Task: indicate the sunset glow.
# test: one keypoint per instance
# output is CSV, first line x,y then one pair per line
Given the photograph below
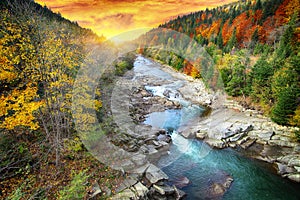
x,y
111,17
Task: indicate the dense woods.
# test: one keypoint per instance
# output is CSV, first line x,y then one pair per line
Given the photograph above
x,y
255,49
41,155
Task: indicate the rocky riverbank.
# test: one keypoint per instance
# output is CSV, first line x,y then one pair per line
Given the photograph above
x,y
251,133
228,125
143,145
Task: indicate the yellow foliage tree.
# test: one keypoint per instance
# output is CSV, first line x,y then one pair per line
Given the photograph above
x,y
18,97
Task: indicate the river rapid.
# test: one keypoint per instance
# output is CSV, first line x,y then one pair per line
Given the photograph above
x,y
194,160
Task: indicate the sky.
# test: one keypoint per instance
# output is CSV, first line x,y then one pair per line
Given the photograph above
x,y
111,18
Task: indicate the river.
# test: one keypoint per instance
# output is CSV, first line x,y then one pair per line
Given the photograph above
x,y
198,162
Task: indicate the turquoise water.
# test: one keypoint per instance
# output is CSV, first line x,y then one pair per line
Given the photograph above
x,y
203,166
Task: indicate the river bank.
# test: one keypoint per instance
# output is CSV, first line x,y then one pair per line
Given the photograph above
x,y
138,94
232,125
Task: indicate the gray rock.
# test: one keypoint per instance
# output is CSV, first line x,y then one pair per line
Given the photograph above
x,y
294,177
285,159
282,143
215,143
284,169
217,189
294,161
139,159
266,135
124,195
127,183
179,193
201,135
247,144
140,190
235,137
164,190
141,170
297,168
154,174
242,140
164,137
95,190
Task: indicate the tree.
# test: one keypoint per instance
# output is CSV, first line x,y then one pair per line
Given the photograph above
x,y
286,105
254,39
18,98
232,42
261,76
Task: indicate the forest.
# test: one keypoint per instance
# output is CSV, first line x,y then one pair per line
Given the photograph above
x,y
254,46
255,49
41,155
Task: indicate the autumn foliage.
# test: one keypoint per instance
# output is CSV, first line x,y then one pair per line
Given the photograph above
x,y
255,49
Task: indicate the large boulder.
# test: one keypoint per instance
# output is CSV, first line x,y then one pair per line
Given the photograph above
x,y
215,143
154,174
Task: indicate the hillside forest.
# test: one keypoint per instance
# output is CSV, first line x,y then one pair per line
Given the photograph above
x,y
254,46
255,49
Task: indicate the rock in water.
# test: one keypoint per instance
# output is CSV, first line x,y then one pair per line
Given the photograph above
x,y
218,188
181,181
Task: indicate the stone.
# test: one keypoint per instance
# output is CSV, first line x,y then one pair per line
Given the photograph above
x,y
95,190
265,158
236,137
228,182
266,135
294,177
282,143
281,137
164,137
297,168
140,190
154,174
217,190
297,148
201,135
215,143
139,159
294,161
162,146
283,169
126,194
159,189
248,144
128,182
151,150
141,170
179,193
232,145
242,140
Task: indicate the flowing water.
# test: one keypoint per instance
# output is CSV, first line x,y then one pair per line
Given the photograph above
x,y
199,163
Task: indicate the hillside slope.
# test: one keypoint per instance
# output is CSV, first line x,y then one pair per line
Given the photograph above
x,y
41,155
255,49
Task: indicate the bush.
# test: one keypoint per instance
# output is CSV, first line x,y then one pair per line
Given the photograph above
x,y
76,189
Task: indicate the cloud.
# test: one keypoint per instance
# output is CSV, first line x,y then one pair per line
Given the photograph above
x,y
111,17
117,21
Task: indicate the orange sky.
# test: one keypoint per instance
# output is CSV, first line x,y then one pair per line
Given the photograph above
x,y
112,17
